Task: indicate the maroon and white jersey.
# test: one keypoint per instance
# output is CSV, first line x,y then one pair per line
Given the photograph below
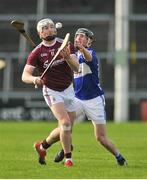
x,y
60,75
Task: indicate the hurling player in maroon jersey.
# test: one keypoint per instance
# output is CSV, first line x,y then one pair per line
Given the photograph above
x,y
57,86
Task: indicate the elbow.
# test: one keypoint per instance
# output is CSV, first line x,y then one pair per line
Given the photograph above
x,y
89,59
23,78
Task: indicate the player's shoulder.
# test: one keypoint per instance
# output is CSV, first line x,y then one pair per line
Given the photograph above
x,y
59,40
37,48
90,49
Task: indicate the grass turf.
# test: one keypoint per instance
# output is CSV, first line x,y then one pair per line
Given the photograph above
x,y
18,160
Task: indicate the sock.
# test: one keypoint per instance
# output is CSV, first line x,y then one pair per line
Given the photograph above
x,y
45,145
68,155
119,157
118,154
71,148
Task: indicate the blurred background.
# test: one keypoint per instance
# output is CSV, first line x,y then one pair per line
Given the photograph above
x,y
19,101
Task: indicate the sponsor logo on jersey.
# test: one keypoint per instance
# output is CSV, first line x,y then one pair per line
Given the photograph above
x,y
43,54
52,51
45,64
55,63
58,61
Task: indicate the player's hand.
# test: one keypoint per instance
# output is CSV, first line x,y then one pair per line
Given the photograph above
x,y
65,53
79,46
38,81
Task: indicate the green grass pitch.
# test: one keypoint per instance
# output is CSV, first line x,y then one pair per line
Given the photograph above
x,y
18,160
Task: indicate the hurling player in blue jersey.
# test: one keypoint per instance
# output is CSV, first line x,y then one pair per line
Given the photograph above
x,y
89,94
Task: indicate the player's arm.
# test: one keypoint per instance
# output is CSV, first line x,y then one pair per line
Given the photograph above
x,y
87,55
28,78
71,59
73,62
28,72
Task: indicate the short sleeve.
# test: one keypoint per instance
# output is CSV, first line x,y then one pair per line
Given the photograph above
x,y
33,58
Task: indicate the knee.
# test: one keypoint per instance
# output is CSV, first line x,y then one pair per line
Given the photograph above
x,y
66,126
100,139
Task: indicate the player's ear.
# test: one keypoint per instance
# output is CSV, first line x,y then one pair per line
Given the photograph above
x,y
89,42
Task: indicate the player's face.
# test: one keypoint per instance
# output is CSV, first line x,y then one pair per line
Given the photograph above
x,y
48,30
81,39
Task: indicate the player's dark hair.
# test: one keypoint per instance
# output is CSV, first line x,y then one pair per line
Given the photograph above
x,y
85,31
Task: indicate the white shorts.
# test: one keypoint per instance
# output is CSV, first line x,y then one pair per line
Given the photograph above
x,y
94,109
67,97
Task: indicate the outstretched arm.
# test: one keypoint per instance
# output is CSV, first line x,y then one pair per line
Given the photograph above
x,y
85,52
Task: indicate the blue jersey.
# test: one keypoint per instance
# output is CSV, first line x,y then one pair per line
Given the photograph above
x,y
86,81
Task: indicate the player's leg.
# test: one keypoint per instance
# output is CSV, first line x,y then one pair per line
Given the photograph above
x,y
60,155
51,97
42,146
100,135
95,111
75,105
62,116
53,137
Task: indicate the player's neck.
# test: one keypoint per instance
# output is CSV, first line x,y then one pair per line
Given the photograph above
x,y
48,43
